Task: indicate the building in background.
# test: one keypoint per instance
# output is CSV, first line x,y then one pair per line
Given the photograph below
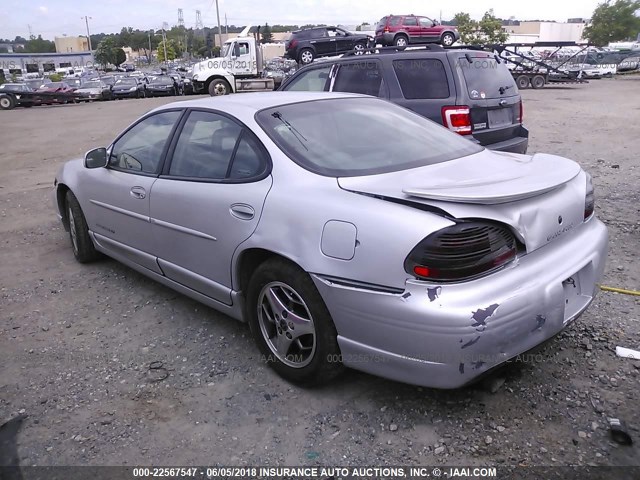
x,y
71,44
528,32
39,63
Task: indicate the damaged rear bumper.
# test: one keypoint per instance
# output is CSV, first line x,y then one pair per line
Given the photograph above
x,y
444,336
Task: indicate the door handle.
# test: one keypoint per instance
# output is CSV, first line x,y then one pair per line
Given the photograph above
x,y
138,192
242,211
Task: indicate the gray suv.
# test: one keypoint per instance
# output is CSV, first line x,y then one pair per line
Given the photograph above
x,y
471,92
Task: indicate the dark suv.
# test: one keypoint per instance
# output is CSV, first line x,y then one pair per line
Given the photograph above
x,y
305,45
401,30
471,92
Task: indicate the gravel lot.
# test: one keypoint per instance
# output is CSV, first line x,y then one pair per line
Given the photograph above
x,y
76,341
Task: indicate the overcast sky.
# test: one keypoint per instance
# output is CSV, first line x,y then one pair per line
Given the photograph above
x,y
52,18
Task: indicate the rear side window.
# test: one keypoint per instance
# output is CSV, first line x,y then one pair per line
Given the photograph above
x,y
410,21
360,77
422,78
395,21
315,80
486,78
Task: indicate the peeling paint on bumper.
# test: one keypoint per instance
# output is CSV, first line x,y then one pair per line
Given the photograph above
x,y
469,328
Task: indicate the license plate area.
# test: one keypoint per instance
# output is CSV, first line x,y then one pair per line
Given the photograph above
x,y
500,117
575,298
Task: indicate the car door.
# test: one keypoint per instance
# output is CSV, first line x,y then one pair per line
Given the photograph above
x,y
117,197
208,200
410,25
429,31
344,41
325,42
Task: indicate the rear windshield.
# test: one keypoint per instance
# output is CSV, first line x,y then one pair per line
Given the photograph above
x,y
359,136
486,78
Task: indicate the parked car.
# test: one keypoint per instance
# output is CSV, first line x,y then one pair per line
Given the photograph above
x,y
467,91
402,30
306,45
13,95
629,64
346,230
94,90
128,87
162,85
56,92
36,83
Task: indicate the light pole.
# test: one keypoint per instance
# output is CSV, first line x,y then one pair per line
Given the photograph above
x,y
149,57
219,27
164,43
86,21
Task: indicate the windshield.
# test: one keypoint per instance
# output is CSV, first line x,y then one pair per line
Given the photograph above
x,y
487,78
163,80
359,136
126,81
225,49
55,85
92,85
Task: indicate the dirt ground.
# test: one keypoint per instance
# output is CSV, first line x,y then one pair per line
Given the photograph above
x,y
76,341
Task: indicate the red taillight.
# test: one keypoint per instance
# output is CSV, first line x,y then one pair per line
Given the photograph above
x,y
386,29
521,113
421,271
293,43
457,119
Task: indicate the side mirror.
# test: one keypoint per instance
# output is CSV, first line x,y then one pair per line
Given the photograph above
x,y
96,158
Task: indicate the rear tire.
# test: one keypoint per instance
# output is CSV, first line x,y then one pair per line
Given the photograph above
x,y
291,324
523,82
7,102
538,81
81,242
401,41
306,56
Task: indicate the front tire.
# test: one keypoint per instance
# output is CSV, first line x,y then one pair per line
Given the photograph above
x,y
292,325
81,243
219,87
448,39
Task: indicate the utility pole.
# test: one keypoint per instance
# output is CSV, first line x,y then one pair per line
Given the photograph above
x,y
164,43
226,25
149,58
219,27
86,21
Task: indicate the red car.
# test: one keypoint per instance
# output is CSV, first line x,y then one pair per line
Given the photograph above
x,y
58,92
402,30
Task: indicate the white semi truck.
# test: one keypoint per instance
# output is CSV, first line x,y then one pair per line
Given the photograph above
x,y
238,69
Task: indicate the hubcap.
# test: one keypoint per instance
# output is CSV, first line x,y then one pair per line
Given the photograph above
x,y
307,57
72,231
359,49
4,102
401,42
286,324
447,40
220,89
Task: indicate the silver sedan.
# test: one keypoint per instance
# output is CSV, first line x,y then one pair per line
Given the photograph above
x,y
347,231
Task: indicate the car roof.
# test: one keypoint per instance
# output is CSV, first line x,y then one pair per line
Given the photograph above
x,y
256,101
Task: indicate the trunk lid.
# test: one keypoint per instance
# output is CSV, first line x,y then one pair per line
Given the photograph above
x,y
540,196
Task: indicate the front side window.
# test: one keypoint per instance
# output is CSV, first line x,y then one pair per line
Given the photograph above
x,y
426,22
359,136
140,149
315,80
214,147
360,77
